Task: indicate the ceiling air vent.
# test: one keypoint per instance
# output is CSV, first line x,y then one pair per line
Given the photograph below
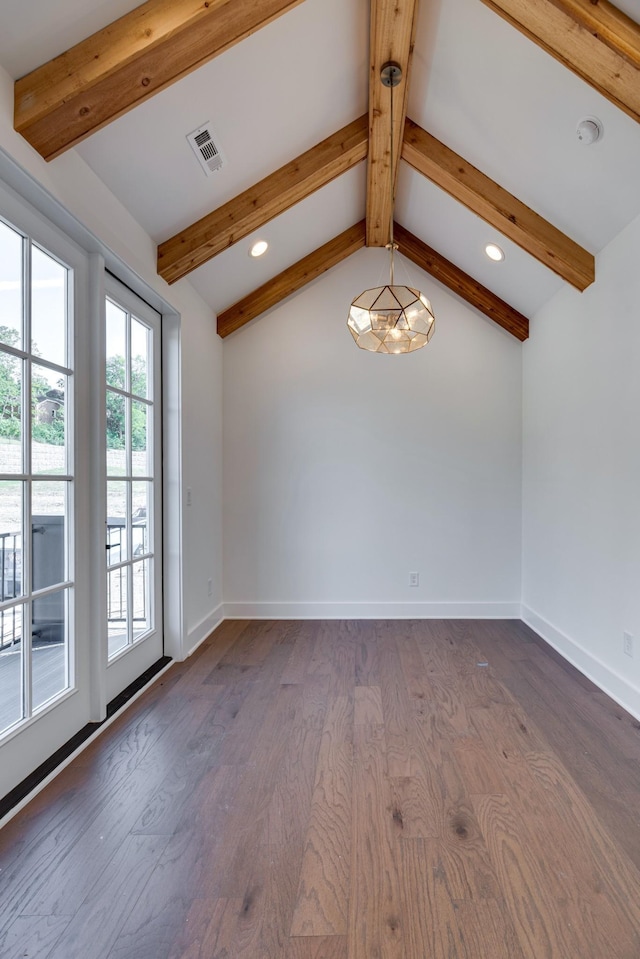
x,y
206,149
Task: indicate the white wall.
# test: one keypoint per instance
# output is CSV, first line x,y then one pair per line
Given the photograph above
x,y
344,470
202,473
71,181
581,491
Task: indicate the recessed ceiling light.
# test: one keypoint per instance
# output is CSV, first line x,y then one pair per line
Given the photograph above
x,y
259,248
494,252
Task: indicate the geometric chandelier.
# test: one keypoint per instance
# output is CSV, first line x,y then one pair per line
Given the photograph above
x,y
391,319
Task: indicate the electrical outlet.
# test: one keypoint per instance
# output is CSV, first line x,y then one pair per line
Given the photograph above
x,y
209,587
414,579
188,496
627,644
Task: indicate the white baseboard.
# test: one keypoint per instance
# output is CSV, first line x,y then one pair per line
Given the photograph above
x,y
605,678
204,628
372,610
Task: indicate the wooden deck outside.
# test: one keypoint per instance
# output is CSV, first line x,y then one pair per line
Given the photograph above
x,y
341,790
49,678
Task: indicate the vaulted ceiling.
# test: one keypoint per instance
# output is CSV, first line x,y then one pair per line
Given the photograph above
x,y
486,113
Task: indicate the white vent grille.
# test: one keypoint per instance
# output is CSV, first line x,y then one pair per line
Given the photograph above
x,y
208,152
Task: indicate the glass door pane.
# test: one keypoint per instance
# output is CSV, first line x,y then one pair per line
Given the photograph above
x,y
11,287
36,478
11,630
118,606
133,489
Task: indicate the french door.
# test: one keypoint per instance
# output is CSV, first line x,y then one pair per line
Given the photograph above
x,y
44,579
133,489
36,491
80,488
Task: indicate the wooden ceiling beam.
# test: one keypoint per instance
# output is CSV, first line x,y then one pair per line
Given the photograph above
x,y
291,280
295,277
392,36
591,37
461,283
120,66
247,212
608,24
497,206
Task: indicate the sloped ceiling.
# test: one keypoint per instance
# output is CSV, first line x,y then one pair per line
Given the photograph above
x,y
476,83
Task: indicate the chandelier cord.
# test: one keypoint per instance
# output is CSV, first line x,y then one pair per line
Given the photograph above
x,y
391,183
391,319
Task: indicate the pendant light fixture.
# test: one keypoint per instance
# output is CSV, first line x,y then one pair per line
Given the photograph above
x,y
391,319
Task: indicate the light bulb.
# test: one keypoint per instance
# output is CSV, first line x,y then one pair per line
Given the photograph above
x,y
259,247
494,252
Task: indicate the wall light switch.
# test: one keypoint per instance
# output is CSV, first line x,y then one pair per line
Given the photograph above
x,y
188,496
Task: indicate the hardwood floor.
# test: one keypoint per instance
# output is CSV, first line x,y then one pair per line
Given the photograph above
x,y
341,790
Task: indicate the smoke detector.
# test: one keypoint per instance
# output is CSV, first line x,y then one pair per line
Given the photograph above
x,y
206,149
589,130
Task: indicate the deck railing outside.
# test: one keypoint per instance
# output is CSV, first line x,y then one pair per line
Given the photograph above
x,y
10,587
11,579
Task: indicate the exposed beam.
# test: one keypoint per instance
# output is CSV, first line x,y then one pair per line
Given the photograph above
x,y
461,283
250,210
292,279
608,24
591,37
392,36
341,247
146,50
497,206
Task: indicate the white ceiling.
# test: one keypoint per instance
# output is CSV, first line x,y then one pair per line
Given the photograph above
x,y
269,99
476,83
234,273
509,108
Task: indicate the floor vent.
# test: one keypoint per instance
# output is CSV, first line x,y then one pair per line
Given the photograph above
x,y
208,152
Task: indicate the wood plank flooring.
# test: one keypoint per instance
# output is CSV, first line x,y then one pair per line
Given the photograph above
x,y
341,790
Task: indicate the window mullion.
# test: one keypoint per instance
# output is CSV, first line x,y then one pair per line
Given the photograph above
x,y
129,534
26,373
27,539
129,469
